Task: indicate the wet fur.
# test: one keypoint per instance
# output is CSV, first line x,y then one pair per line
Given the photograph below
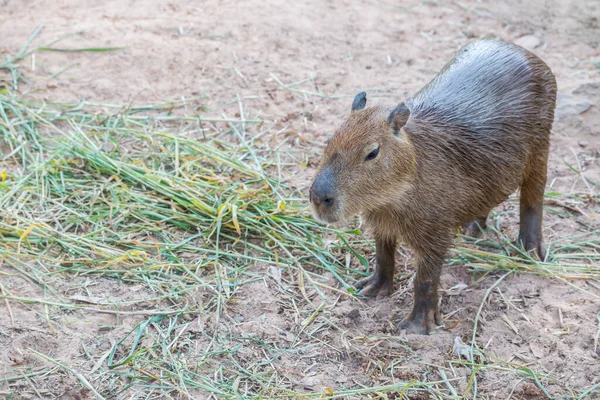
x,y
475,134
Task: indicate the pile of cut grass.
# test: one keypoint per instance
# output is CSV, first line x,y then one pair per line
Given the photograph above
x,y
117,193
149,195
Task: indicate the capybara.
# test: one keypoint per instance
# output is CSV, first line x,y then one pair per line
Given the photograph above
x,y
475,134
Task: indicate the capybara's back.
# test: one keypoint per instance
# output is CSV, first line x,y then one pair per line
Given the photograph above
x,y
488,115
488,87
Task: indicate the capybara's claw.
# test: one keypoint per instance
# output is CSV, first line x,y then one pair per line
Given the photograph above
x,y
421,322
373,286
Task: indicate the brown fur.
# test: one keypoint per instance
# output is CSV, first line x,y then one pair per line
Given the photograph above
x,y
475,134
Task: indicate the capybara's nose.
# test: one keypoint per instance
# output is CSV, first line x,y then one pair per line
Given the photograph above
x,y
318,197
321,192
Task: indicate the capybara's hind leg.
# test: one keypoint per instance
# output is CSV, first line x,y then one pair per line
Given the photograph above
x,y
531,207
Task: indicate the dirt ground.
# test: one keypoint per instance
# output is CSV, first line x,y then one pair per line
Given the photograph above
x,y
238,56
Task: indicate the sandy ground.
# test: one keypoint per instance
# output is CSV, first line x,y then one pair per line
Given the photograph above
x,y
234,55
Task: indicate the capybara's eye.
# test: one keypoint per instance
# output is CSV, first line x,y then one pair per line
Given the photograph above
x,y
372,154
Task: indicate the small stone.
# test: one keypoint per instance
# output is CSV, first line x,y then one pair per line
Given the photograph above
x,y
52,84
239,319
287,336
529,42
17,360
353,314
582,143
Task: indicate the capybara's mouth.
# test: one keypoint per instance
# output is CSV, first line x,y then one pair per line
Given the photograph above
x,y
324,216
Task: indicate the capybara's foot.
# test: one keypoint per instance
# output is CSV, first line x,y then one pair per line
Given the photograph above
x,y
474,228
374,286
530,225
533,245
422,321
471,229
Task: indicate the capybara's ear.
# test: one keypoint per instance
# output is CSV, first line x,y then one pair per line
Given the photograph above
x,y
398,117
360,101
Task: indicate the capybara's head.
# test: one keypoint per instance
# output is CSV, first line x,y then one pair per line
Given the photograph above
x,y
368,163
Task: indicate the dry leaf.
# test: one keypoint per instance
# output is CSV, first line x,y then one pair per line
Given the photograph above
x,y
456,289
536,349
276,274
461,349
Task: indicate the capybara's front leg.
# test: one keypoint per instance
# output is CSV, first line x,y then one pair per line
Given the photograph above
x,y
425,314
381,282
